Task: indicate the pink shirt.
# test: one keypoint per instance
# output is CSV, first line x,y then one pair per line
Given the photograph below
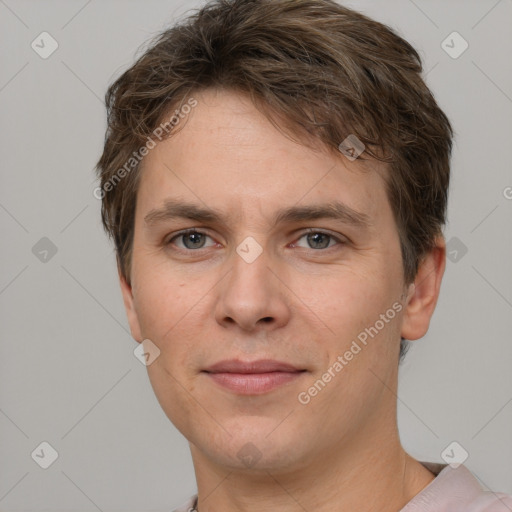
x,y
453,490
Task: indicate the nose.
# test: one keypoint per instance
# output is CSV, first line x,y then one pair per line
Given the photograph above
x,y
253,295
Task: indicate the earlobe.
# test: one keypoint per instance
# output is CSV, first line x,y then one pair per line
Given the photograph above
x,y
129,305
424,292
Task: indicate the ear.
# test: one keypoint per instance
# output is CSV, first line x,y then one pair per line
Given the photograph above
x,y
129,306
423,293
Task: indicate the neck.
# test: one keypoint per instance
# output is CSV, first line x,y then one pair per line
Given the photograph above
x,y
371,473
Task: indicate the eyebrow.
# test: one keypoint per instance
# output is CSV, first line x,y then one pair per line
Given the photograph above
x,y
333,210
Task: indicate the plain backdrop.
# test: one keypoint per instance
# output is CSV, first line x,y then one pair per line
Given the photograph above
x,y
68,375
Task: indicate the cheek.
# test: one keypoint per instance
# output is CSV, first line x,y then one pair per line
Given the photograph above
x,y
172,312
352,305
160,303
352,296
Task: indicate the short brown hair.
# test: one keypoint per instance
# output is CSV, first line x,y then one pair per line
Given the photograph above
x,y
315,68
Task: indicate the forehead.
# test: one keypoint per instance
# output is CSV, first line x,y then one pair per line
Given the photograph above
x,y
228,155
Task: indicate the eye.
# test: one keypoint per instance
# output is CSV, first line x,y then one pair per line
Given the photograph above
x,y
193,239
319,240
190,239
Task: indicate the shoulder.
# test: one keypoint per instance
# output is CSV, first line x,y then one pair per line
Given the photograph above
x,y
457,490
188,506
489,501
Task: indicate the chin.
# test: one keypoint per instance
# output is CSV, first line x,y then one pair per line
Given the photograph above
x,y
254,449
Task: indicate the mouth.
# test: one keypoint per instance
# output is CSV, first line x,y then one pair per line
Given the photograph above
x,y
252,378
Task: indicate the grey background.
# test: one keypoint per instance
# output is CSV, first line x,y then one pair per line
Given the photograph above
x,y
68,375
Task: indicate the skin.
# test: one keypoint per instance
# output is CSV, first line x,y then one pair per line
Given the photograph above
x,y
295,303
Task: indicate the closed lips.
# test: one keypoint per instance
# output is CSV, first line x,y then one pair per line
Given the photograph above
x,y
252,377
260,366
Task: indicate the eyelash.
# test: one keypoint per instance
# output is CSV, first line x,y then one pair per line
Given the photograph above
x,y
308,232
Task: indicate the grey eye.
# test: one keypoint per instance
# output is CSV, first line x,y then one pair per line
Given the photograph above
x,y
317,240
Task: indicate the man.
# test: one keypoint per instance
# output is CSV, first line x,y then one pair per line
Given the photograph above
x,y
275,178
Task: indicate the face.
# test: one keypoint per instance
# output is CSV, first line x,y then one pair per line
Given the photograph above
x,y
278,313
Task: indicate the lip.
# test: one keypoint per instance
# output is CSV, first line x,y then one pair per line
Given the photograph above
x,y
259,366
253,377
